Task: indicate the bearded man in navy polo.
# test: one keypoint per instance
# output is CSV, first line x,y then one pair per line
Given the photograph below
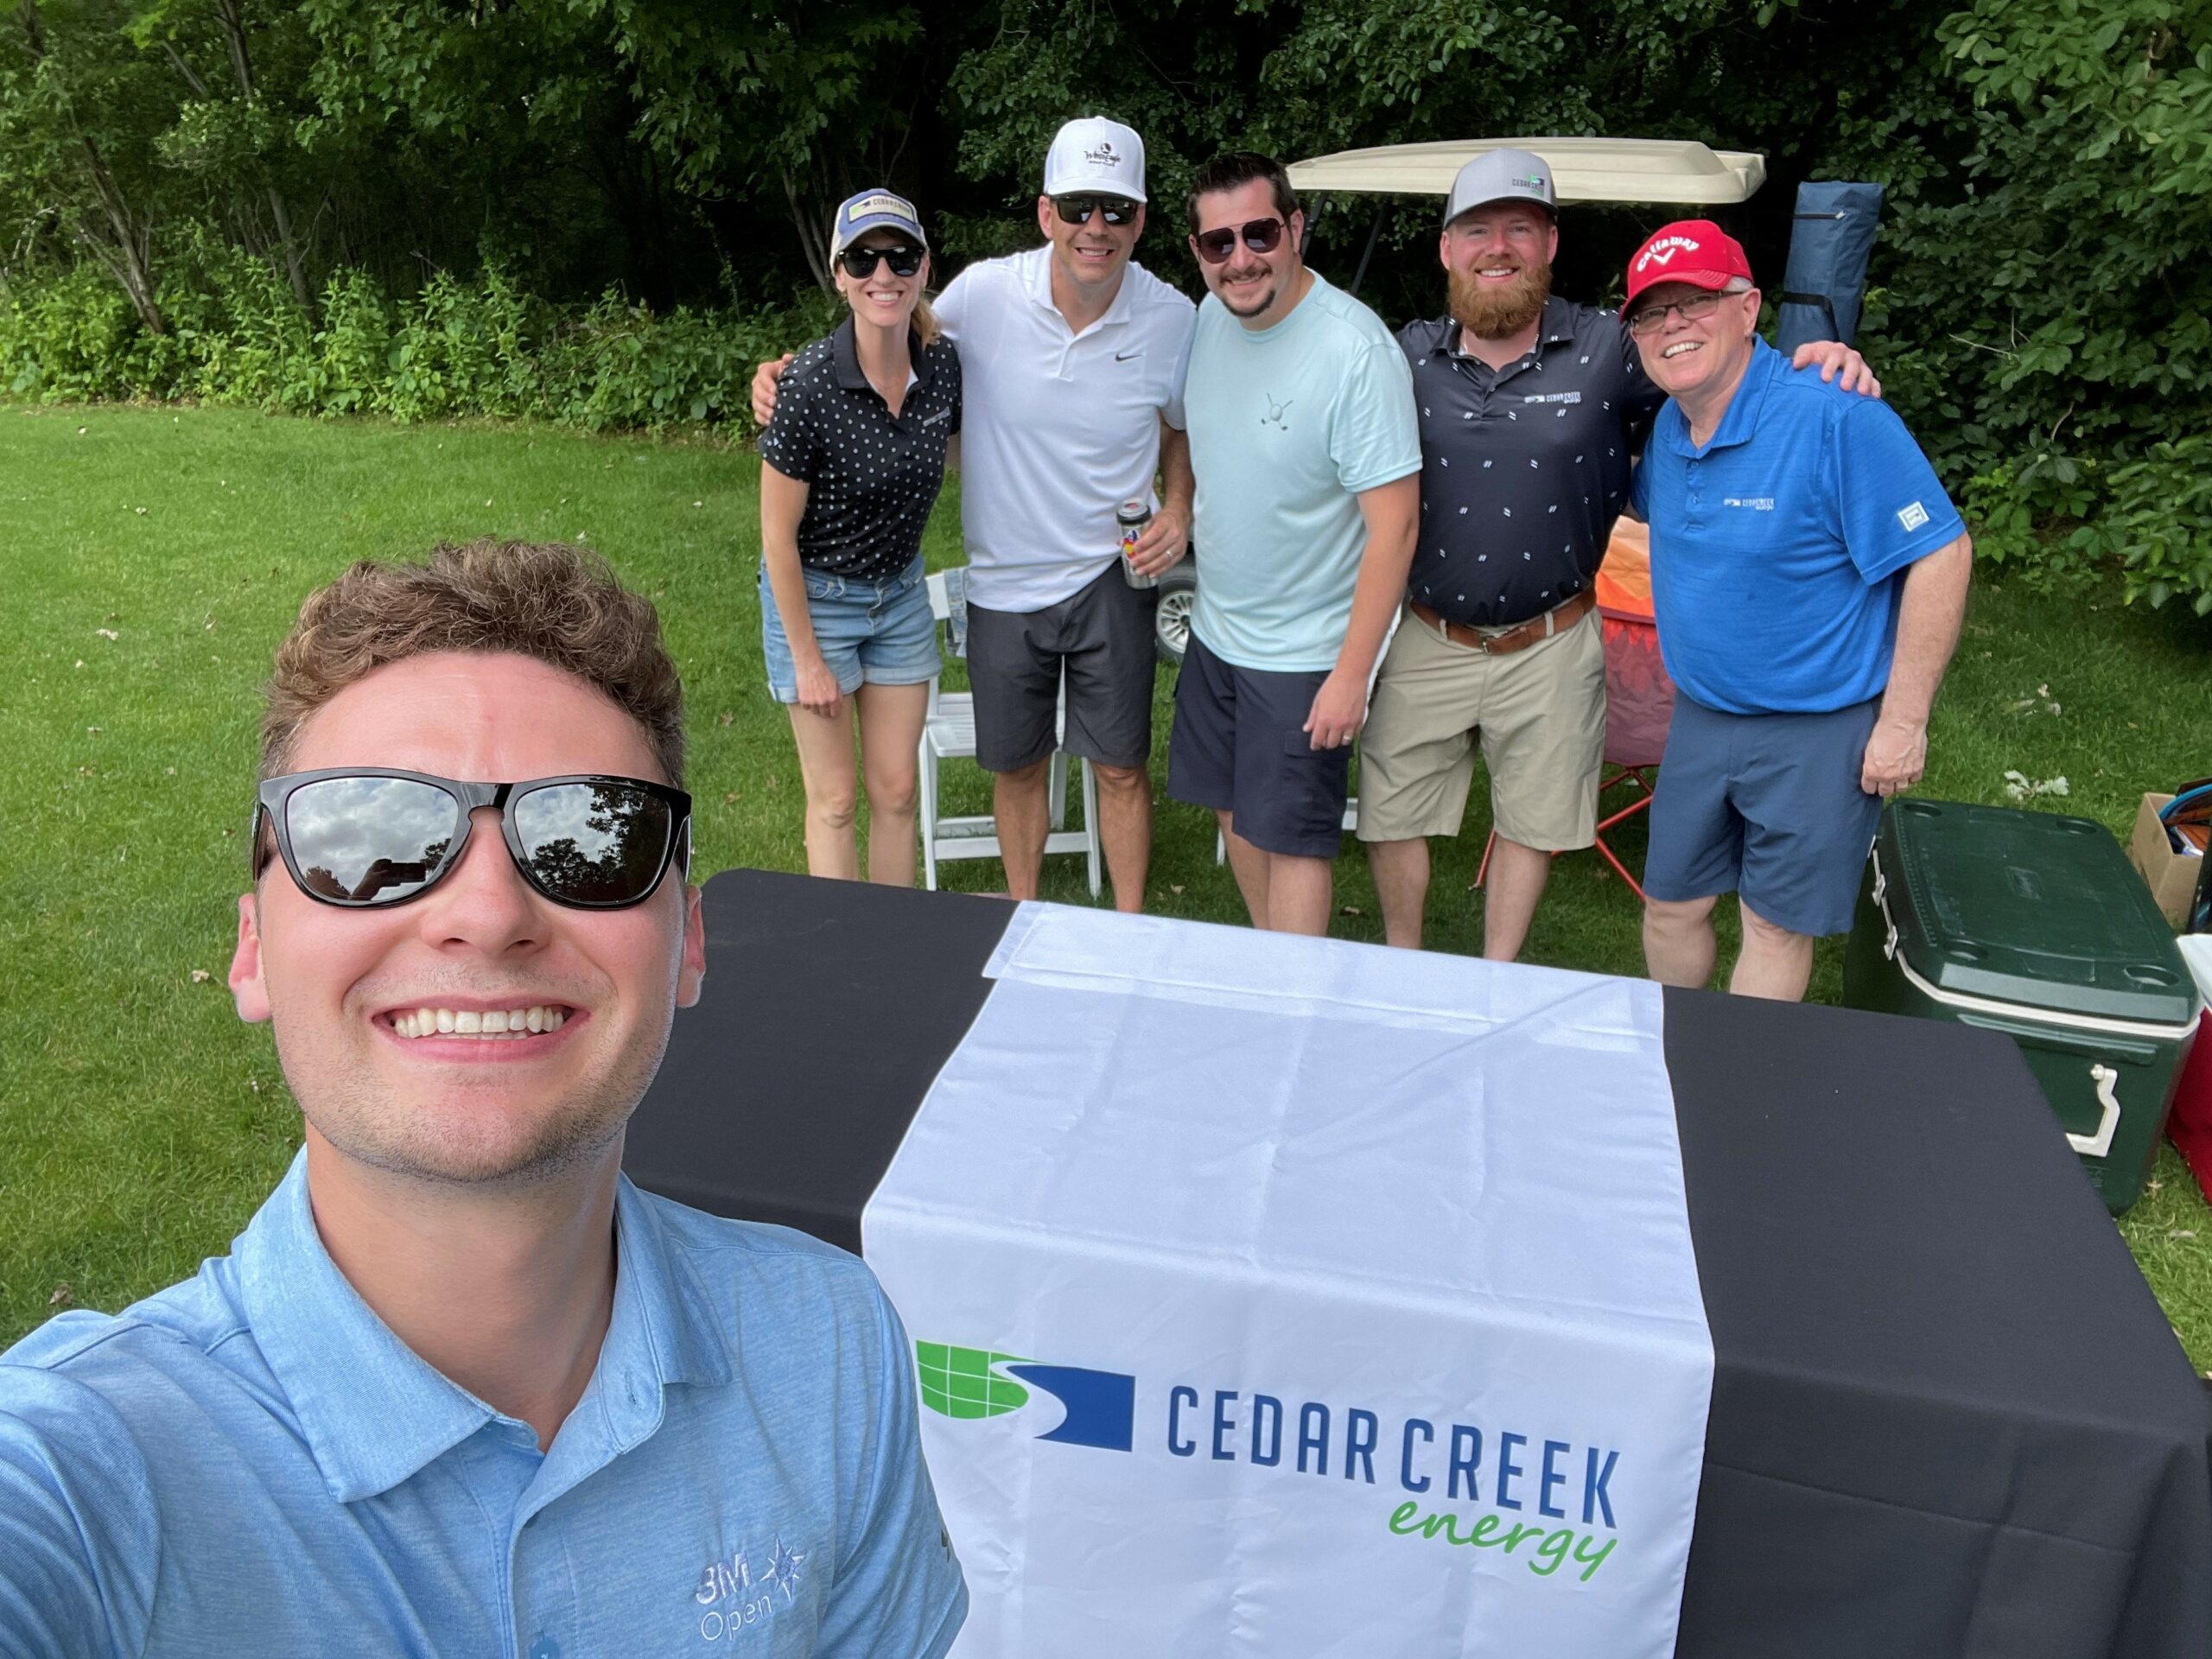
x,y
1809,577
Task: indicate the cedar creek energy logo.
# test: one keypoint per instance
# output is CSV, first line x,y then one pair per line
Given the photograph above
x,y
1102,1406
1517,1488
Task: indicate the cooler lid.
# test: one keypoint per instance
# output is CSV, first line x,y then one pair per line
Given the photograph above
x,y
2031,908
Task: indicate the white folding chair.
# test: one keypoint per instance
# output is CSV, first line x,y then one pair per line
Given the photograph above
x,y
948,733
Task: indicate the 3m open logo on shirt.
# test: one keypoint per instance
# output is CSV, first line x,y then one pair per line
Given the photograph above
x,y
1912,518
735,1593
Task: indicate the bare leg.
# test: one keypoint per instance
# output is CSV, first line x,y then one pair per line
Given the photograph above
x,y
825,766
891,735
1298,894
1125,830
1774,961
1018,803
1251,866
1516,881
1678,947
1401,872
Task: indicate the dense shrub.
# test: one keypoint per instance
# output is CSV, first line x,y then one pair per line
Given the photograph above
x,y
480,347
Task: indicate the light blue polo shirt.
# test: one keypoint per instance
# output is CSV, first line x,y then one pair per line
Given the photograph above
x,y
251,1463
1288,425
1778,550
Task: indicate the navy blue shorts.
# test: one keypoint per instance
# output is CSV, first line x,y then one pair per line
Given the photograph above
x,y
1767,806
1240,746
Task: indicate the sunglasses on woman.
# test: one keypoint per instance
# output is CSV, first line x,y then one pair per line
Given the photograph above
x,y
1261,235
904,258
1077,210
361,836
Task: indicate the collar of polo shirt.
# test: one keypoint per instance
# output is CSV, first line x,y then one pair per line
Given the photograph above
x,y
374,1412
845,354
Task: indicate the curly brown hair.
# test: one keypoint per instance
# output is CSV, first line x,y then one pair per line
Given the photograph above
x,y
557,604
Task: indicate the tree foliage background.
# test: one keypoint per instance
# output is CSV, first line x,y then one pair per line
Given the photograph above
x,y
603,211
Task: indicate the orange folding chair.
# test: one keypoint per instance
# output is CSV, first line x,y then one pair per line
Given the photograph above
x,y
1639,698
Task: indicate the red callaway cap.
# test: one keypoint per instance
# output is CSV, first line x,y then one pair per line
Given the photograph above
x,y
1692,250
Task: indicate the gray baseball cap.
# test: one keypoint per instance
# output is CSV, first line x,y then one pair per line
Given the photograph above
x,y
1502,176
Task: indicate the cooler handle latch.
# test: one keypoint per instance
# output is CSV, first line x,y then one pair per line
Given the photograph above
x,y
1880,896
2097,1145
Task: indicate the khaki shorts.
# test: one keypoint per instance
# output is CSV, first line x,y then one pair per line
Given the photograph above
x,y
1540,714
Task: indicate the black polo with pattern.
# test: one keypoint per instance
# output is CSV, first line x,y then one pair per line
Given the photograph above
x,y
871,476
1523,468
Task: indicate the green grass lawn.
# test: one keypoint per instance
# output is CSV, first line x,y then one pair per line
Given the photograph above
x,y
153,558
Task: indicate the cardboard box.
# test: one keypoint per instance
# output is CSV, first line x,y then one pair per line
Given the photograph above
x,y
2171,876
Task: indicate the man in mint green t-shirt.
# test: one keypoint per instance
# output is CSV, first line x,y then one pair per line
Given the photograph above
x,y
1303,436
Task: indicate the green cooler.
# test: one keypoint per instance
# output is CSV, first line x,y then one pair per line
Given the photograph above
x,y
2037,927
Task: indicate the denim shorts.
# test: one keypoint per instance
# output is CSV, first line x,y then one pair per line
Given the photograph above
x,y
879,632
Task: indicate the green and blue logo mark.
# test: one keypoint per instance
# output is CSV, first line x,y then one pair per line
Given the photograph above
x,y
1101,1407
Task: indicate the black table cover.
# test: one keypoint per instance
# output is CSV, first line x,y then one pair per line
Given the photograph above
x,y
1948,1418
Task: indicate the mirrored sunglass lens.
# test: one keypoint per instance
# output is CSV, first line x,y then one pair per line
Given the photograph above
x,y
361,839
593,844
1262,235
1214,246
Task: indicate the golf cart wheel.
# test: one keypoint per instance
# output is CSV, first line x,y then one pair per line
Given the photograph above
x,y
1171,622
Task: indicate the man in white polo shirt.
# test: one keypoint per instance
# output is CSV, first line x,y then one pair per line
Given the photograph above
x,y
1073,358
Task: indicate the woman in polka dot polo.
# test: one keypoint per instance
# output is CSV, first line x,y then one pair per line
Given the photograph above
x,y
850,467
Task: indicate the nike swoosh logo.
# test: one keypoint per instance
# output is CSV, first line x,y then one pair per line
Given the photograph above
x,y
1123,357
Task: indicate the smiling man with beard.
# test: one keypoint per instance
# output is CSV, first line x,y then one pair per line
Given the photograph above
x,y
1525,402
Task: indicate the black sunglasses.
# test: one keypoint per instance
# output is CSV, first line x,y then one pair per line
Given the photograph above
x,y
1259,235
1077,210
904,258
361,836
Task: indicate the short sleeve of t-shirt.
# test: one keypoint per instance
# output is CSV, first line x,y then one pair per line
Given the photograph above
x,y
1894,510
1639,488
1172,410
1642,395
1375,432
951,306
791,441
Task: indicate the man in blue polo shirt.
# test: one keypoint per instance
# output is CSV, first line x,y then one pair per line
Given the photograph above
x,y
1809,577
459,1388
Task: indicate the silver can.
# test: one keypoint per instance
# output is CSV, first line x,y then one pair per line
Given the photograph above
x,y
1133,517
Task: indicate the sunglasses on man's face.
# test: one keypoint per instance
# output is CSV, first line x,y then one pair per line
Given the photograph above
x,y
1261,235
361,836
904,258
1077,210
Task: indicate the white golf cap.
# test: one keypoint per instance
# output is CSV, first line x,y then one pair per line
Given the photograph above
x,y
1502,176
1095,156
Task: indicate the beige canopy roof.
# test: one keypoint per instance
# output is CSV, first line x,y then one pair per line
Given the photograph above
x,y
1583,169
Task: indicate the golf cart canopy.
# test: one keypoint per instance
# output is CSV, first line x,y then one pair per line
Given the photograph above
x,y
1583,169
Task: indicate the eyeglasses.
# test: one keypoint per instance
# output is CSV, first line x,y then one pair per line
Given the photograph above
x,y
1646,319
1077,210
1261,235
361,837
904,258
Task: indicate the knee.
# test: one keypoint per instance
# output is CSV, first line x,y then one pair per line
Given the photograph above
x,y
1772,935
893,794
1671,919
832,808
1029,777
1120,780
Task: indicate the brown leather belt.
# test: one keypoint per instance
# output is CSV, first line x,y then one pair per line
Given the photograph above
x,y
1555,620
